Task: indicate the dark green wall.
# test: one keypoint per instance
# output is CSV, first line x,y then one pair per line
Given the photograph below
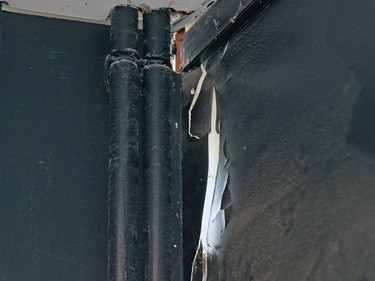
x,y
53,149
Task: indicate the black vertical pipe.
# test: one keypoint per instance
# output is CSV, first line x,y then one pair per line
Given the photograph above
x,y
124,29
124,85
176,177
157,37
157,170
156,79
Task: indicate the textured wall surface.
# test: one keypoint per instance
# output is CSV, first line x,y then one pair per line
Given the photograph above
x,y
296,106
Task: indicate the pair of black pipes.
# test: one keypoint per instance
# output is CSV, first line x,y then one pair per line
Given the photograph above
x,y
139,245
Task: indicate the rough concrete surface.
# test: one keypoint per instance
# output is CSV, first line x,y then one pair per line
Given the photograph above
x,y
296,108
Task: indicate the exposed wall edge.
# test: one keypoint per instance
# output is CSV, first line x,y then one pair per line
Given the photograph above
x,y
50,15
214,29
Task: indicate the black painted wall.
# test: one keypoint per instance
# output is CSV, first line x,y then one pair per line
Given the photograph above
x,y
53,150
296,107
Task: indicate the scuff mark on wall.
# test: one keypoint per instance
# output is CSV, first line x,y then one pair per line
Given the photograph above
x,y
196,94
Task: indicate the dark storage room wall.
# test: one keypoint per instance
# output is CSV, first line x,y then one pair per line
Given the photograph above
x,y
53,149
296,104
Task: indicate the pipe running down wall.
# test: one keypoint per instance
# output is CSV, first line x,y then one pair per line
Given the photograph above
x,y
125,85
156,84
143,178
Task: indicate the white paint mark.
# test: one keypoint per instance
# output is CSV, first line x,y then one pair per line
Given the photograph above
x,y
225,50
196,96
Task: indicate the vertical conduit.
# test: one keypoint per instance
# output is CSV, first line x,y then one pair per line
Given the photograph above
x,y
124,86
156,83
140,169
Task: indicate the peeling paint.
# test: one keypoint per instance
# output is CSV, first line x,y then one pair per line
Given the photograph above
x,y
213,218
